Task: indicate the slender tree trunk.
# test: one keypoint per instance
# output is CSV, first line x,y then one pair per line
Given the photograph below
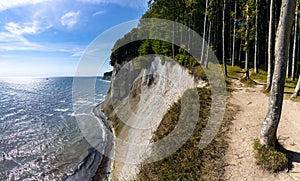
x,y
266,50
270,124
204,33
297,89
233,37
216,33
173,39
240,51
297,71
275,14
247,40
256,39
208,48
229,39
288,64
189,34
173,33
295,45
223,39
266,43
270,46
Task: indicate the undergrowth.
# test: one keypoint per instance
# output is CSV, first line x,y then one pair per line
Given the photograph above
x,y
190,162
273,159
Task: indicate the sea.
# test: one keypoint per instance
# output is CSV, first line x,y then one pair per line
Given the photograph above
x,y
40,138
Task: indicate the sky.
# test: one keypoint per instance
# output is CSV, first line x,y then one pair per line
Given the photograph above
x,y
44,38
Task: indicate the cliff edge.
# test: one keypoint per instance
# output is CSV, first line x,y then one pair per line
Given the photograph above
x,y
139,97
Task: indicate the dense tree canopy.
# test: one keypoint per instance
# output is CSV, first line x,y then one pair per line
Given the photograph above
x,y
245,37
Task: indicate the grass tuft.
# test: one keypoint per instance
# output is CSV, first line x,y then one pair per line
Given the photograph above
x,y
234,71
261,76
273,159
248,82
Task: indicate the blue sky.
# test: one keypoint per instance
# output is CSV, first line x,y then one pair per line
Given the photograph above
x,y
42,38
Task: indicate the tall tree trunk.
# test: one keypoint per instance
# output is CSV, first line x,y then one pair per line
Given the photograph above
x,y
223,39
216,30
240,51
297,89
189,37
173,32
233,37
288,64
256,39
208,49
229,38
266,50
247,40
295,45
204,33
270,46
173,40
270,124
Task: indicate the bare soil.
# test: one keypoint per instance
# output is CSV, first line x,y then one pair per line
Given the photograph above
x,y
253,105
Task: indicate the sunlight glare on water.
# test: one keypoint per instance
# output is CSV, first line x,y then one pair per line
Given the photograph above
x,y
39,135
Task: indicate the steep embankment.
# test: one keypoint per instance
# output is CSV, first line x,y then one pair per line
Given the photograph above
x,y
140,97
253,105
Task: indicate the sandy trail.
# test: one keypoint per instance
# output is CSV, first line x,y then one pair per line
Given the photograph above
x,y
246,127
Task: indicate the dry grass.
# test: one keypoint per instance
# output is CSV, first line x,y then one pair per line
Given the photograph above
x,y
248,82
189,162
273,159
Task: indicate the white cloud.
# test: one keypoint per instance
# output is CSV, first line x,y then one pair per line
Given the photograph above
x,y
13,38
74,52
78,53
69,19
10,41
99,13
139,4
26,28
7,4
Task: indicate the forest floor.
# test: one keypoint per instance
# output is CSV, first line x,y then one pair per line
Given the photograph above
x,y
245,128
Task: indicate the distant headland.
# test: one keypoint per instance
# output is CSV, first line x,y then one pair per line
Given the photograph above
x,y
107,76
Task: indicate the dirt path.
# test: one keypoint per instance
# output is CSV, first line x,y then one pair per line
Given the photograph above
x,y
246,127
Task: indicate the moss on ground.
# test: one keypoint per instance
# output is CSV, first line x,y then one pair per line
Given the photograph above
x,y
273,159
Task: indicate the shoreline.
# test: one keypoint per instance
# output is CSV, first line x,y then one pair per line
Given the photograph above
x,y
106,164
96,165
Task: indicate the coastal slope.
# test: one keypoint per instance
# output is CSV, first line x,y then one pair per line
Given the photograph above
x,y
138,100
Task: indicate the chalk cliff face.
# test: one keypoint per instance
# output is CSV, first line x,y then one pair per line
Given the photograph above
x,y
140,96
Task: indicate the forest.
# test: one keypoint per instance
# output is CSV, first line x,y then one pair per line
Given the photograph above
x,y
241,33
255,36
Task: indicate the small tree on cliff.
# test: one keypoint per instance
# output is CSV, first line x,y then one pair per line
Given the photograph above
x,y
270,124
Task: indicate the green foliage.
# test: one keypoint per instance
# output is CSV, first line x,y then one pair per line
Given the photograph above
x,y
179,11
261,76
234,71
186,59
273,159
161,47
126,48
247,19
146,48
198,73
